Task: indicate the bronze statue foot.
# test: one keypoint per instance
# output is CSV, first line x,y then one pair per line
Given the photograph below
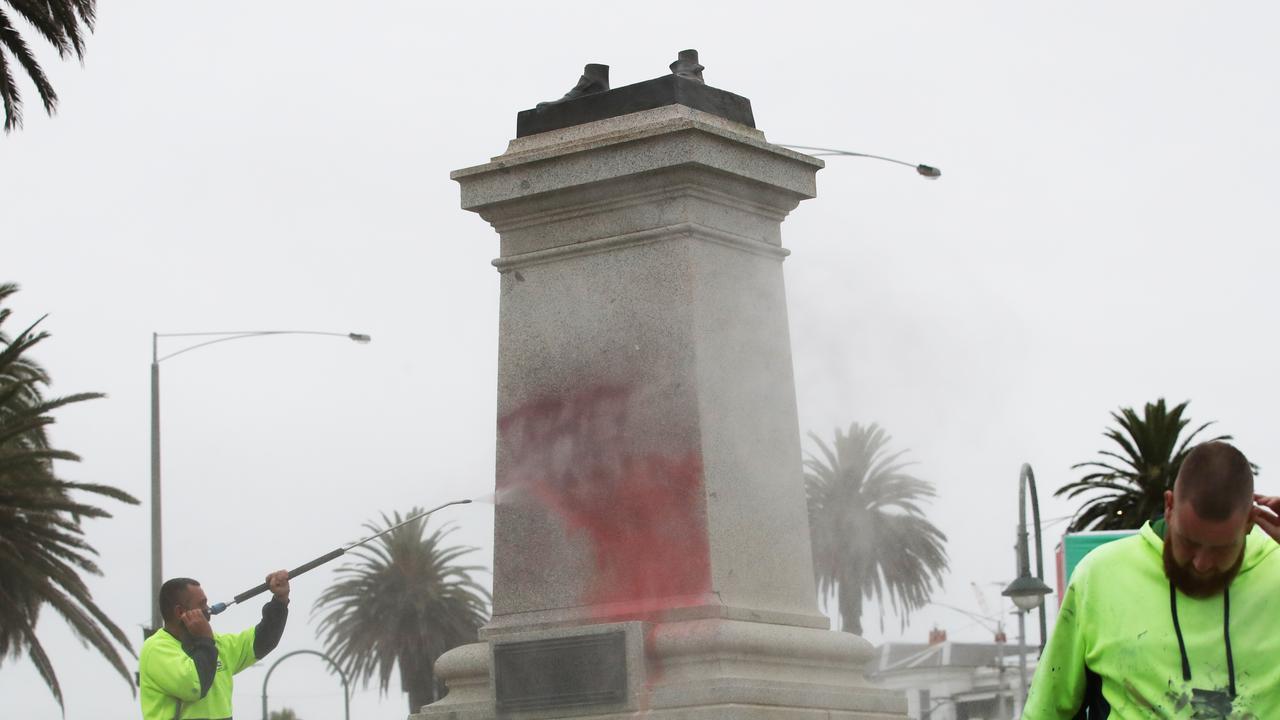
x,y
595,79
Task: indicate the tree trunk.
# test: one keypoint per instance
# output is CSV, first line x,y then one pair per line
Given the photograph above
x,y
419,683
851,610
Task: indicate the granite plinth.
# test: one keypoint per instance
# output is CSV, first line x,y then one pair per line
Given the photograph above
x,y
647,95
648,468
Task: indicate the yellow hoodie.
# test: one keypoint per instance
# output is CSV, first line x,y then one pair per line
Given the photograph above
x,y
1116,637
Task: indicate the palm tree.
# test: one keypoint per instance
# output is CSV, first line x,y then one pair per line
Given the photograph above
x,y
402,603
283,714
1133,480
60,22
42,545
870,536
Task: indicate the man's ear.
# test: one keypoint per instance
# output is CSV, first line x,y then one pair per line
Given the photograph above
x,y
1168,503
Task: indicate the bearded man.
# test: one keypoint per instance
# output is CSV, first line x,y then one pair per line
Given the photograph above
x,y
1177,621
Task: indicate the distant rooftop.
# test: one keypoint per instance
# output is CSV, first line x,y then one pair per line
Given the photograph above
x,y
898,657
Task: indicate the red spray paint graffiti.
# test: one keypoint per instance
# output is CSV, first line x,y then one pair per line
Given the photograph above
x,y
641,512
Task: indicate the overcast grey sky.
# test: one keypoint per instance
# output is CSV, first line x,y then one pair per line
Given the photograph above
x,y
1103,235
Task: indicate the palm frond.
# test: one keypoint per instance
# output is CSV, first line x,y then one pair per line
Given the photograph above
x,y
61,23
1152,448
65,15
10,97
43,549
38,15
12,41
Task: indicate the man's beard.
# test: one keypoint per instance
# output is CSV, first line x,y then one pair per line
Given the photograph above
x,y
1198,586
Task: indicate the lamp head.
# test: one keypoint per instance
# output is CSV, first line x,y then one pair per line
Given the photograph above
x,y
360,338
929,171
1027,592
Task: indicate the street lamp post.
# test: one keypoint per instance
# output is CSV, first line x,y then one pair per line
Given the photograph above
x,y
927,171
1026,591
156,552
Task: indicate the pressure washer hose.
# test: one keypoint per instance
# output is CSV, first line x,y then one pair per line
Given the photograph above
x,y
219,607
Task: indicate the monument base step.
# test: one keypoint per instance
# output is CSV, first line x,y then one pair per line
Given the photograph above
x,y
695,670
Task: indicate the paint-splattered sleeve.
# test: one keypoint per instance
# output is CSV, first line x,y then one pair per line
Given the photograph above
x,y
1057,690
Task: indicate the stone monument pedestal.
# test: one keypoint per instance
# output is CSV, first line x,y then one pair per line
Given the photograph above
x,y
651,535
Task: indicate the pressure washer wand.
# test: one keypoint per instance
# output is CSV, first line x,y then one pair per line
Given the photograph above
x,y
219,607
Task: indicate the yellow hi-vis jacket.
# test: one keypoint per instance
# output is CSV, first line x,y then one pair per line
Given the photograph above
x,y
168,683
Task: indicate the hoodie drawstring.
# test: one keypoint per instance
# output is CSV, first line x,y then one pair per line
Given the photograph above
x,y
1226,634
1177,629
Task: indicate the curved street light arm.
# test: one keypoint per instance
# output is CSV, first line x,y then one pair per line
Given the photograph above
x,y
346,688
819,152
217,337
240,335
1027,479
928,171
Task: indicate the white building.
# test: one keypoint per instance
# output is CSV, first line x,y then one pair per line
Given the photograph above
x,y
947,680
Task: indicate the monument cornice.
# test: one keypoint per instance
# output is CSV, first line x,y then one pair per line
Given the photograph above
x,y
632,145
664,185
